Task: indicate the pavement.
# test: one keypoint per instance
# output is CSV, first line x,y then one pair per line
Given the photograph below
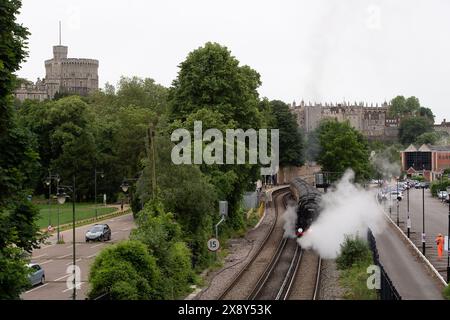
x,y
407,272
406,269
436,221
56,259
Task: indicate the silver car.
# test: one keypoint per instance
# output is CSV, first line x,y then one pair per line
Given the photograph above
x,y
37,274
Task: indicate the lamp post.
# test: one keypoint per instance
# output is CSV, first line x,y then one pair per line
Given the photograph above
x,y
423,219
398,202
125,187
61,200
102,174
408,220
48,183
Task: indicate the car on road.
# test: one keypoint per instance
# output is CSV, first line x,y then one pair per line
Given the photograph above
x,y
397,195
37,274
99,232
442,195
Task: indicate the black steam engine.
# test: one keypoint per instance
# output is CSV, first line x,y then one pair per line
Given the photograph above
x,y
307,198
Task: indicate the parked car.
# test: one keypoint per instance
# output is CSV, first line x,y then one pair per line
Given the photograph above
x,y
442,195
397,195
100,232
37,275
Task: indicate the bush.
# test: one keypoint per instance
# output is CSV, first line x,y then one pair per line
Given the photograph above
x,y
354,250
446,292
125,271
437,186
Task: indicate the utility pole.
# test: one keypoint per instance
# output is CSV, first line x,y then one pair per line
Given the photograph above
x,y
74,294
151,137
408,221
423,220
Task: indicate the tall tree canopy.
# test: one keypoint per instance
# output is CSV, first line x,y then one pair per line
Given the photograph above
x,y
212,87
413,127
343,147
291,138
18,230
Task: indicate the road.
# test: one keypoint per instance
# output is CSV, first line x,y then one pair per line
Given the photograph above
x,y
56,259
436,221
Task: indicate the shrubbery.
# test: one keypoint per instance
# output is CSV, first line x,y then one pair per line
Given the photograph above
x,y
354,250
437,186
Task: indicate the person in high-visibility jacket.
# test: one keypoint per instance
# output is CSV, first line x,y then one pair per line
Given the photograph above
x,y
440,245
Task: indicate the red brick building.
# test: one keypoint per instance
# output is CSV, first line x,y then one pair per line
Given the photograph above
x,y
427,161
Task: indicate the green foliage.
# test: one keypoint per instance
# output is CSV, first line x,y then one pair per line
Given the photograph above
x,y
18,162
439,185
354,280
427,138
412,127
446,292
211,85
291,138
13,273
354,250
162,235
343,147
125,271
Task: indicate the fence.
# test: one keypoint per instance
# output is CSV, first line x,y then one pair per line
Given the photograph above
x,y
387,290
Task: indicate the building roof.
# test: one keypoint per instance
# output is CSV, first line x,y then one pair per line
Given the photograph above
x,y
427,148
440,148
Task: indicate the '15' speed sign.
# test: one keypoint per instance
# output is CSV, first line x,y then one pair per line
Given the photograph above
x,y
213,244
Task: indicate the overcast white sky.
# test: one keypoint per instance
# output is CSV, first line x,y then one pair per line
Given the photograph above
x,y
321,50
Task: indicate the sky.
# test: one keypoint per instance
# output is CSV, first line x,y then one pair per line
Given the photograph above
x,y
316,51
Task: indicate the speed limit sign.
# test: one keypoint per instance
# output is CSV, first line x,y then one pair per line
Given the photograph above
x,y
213,244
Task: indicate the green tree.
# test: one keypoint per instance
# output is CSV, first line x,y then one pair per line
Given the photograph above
x,y
412,127
427,138
343,147
18,231
291,138
211,79
412,105
125,271
162,235
398,106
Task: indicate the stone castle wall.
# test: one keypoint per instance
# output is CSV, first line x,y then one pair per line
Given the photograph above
x,y
372,121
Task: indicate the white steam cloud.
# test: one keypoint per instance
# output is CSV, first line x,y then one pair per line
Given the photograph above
x,y
384,166
290,220
348,209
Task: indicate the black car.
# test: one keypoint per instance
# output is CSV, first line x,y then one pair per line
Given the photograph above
x,y
100,232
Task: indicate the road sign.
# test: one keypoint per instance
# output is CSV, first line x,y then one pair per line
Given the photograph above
x,y
446,244
223,208
213,244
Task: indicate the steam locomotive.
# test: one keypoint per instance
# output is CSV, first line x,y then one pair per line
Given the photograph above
x,y
307,199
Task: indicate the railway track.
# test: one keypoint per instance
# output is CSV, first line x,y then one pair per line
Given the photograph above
x,y
280,270
242,285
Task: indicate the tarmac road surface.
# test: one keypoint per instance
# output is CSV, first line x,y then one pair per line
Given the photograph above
x,y
55,259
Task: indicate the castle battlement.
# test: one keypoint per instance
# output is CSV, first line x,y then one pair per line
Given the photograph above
x,y
371,119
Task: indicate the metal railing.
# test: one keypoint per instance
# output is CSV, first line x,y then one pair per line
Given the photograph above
x,y
387,289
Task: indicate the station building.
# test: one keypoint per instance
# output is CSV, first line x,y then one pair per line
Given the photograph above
x,y
427,161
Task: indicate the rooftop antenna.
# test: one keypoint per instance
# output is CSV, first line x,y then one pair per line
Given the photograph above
x,y
59,32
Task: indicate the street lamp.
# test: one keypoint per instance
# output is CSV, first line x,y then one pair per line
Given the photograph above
x,y
48,183
102,174
423,212
408,220
61,197
398,201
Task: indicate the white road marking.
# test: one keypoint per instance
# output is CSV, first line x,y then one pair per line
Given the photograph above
x,y
65,256
97,245
39,256
45,284
60,278
48,246
72,245
78,287
68,264
45,262
125,229
91,256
